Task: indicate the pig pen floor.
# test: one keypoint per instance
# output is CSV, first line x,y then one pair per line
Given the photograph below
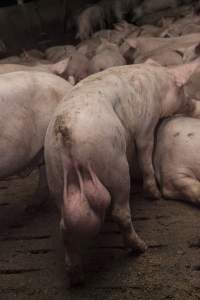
x,y
31,257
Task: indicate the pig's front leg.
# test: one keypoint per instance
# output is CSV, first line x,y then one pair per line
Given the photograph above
x,y
145,144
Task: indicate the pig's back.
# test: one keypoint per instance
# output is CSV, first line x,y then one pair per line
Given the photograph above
x,y
178,145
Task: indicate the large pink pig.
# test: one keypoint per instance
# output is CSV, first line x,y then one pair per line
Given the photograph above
x,y
89,146
177,156
177,159
27,102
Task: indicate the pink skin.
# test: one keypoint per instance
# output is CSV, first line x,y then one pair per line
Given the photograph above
x,y
147,46
59,68
107,55
27,102
57,53
176,159
89,143
78,66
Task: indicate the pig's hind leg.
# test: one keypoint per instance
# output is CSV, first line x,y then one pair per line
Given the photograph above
x,y
120,208
41,195
185,188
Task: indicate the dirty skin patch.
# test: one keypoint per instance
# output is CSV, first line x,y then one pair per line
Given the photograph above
x,y
176,134
190,134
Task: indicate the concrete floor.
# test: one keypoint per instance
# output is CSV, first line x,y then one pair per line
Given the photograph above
x,y
31,259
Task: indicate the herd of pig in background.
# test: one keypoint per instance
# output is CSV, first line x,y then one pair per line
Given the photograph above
x,y
91,138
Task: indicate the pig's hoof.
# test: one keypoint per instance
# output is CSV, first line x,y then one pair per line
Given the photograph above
x,y
153,194
140,248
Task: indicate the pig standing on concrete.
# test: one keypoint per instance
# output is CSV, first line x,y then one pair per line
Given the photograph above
x,y
27,102
89,146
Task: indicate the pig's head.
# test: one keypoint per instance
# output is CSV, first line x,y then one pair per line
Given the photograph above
x,y
88,47
78,66
178,100
75,67
106,45
129,50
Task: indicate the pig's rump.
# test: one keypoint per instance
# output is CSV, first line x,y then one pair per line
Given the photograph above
x,y
86,167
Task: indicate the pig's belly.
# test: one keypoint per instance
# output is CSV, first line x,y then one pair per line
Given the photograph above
x,y
14,159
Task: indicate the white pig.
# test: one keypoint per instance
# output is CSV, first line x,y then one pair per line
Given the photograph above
x,y
107,55
177,159
27,102
176,155
89,146
59,68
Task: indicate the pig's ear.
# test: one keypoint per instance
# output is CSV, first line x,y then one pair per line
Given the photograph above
x,y
152,62
183,73
132,43
60,67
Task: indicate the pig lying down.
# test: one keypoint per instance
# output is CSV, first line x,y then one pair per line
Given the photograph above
x,y
89,146
27,102
177,159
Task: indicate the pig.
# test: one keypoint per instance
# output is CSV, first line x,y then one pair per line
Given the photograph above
x,y
107,55
113,36
26,58
125,26
27,102
34,53
89,145
150,31
142,47
166,58
176,150
11,60
151,6
88,47
121,8
90,19
59,68
177,160
78,66
57,53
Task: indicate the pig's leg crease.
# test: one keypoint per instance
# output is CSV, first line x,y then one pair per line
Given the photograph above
x,y
185,188
42,192
120,209
145,152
